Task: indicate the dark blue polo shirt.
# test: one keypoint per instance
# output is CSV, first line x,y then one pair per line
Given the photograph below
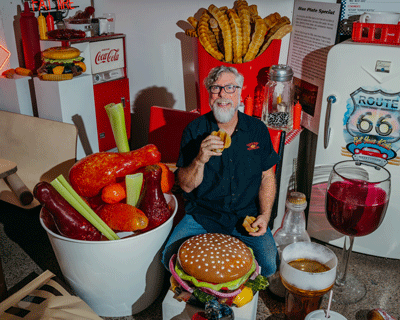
x,y
229,190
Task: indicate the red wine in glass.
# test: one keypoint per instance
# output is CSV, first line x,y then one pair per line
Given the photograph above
x,y
355,208
357,197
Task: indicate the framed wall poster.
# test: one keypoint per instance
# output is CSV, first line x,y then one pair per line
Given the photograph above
x,y
314,33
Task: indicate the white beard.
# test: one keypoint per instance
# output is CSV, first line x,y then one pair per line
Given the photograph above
x,y
222,115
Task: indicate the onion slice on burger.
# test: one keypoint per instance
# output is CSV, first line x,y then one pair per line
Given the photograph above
x,y
182,283
187,288
213,292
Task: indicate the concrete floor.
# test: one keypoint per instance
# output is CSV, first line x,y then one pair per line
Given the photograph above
x,y
26,252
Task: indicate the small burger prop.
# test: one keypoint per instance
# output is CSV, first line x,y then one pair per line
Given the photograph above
x,y
61,63
226,139
215,266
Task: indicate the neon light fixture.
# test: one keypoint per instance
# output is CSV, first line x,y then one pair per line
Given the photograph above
x,y
4,56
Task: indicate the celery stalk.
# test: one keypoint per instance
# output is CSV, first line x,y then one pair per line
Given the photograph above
x,y
133,187
116,116
83,208
71,190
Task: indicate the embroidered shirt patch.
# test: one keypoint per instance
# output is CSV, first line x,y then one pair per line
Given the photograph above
x,y
252,146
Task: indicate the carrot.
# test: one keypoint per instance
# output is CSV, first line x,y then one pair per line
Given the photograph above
x,y
114,192
167,178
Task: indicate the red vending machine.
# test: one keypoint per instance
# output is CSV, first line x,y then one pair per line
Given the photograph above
x,y
110,85
106,64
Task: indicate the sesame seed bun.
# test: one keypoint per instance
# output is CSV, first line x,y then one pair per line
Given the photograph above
x,y
61,53
215,258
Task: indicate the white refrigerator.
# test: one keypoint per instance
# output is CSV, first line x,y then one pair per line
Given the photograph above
x,y
360,120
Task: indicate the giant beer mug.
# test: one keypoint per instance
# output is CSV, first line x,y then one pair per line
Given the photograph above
x,y
308,272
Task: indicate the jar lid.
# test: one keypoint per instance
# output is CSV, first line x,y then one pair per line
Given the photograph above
x,y
297,197
280,72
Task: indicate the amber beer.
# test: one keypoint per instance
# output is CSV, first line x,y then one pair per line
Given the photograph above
x,y
308,271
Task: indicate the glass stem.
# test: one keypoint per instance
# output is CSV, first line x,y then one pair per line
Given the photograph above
x,y
343,266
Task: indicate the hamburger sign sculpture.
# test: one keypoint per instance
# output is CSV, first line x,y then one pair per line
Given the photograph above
x,y
61,63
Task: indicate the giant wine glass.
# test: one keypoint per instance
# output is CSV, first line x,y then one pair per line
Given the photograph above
x,y
356,202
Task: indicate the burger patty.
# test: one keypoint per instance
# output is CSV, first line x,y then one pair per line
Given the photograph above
x,y
215,258
70,65
68,68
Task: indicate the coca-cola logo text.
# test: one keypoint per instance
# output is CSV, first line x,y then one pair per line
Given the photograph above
x,y
105,57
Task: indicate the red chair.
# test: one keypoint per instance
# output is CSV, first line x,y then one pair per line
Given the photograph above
x,y
165,131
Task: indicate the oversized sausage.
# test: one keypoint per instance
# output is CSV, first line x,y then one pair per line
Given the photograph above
x,y
69,222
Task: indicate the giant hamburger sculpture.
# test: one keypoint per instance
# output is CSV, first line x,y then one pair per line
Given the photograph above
x,y
61,63
215,266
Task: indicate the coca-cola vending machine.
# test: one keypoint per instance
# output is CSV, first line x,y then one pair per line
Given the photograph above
x,y
106,73
110,85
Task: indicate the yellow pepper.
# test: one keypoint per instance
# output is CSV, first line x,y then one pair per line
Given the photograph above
x,y
244,297
174,284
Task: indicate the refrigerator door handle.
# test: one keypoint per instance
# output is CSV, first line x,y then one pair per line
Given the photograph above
x,y
123,102
327,131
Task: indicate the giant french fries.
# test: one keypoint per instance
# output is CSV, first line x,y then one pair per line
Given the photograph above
x,y
279,34
238,34
256,40
223,22
237,39
217,33
204,36
244,15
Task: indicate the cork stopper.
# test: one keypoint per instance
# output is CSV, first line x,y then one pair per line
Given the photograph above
x,y
297,198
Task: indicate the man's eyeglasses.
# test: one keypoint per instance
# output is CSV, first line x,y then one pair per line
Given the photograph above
x,y
228,89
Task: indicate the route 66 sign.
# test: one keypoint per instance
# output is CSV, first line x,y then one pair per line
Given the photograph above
x,y
372,125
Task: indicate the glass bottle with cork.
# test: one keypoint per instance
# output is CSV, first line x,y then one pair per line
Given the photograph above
x,y
293,229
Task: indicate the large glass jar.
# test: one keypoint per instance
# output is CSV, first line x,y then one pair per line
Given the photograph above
x,y
278,102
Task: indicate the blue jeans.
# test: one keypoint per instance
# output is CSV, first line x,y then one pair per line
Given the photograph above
x,y
264,247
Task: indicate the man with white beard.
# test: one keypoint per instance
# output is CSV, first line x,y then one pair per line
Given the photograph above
x,y
222,188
